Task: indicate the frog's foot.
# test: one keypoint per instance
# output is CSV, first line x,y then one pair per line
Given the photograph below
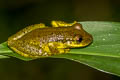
x,y
61,24
55,51
57,48
62,51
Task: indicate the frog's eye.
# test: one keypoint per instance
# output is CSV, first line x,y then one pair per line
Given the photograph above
x,y
80,39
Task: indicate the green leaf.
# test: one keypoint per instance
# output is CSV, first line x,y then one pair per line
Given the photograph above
x,y
103,54
1,57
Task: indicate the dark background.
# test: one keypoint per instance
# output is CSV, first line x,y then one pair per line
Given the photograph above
x,y
17,14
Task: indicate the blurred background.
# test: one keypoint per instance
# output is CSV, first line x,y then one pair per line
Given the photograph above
x,y
17,14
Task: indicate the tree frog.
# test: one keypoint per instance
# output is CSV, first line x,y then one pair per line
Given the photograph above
x,y
39,40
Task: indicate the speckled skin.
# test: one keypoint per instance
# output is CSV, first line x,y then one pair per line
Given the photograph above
x,y
48,41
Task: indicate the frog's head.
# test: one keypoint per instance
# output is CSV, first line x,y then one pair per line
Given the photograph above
x,y
81,37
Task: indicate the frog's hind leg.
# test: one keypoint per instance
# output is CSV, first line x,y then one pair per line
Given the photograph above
x,y
21,53
24,31
61,24
30,51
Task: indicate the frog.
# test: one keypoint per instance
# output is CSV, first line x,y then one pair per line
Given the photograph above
x,y
39,40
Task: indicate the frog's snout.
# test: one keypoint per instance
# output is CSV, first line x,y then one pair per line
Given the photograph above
x,y
87,40
81,42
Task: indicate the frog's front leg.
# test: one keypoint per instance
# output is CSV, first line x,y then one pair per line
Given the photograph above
x,y
61,24
57,48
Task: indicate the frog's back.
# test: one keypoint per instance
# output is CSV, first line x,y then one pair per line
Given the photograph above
x,y
45,35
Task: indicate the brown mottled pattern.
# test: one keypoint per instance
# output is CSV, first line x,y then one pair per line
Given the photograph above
x,y
46,35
